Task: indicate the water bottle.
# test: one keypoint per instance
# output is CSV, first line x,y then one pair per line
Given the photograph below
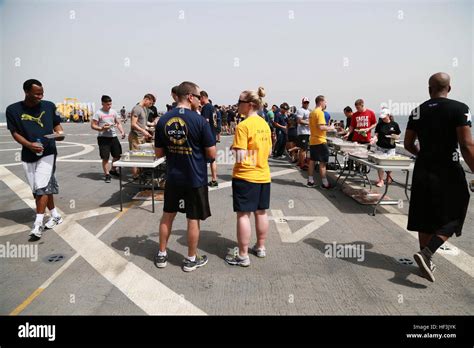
x,y
39,142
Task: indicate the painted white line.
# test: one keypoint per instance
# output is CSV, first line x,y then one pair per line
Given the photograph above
x,y
292,218
87,149
18,186
79,161
287,236
146,292
60,271
462,260
13,229
19,148
111,222
283,172
93,212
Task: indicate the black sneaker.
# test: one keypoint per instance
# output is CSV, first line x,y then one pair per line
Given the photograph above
x,y
213,184
310,184
423,259
161,261
189,265
108,178
325,187
114,173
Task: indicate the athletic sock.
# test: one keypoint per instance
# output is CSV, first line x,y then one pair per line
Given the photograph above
x,y
310,179
192,258
435,243
325,182
162,253
39,219
427,252
54,213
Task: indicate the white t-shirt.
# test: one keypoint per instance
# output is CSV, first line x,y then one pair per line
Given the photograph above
x,y
109,118
303,114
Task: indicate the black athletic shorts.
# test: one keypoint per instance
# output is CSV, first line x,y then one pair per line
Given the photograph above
x,y
250,196
319,153
194,201
303,141
439,199
109,146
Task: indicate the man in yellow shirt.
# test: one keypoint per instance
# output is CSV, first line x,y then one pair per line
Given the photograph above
x,y
318,147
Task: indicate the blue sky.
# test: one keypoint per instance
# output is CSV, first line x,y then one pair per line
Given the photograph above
x,y
379,50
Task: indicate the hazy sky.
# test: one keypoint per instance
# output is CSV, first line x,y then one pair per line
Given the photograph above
x,y
377,50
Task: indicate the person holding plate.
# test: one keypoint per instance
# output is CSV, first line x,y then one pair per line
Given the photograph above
x,y
35,125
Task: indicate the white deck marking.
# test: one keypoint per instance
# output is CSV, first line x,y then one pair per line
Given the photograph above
x,y
146,292
462,260
286,235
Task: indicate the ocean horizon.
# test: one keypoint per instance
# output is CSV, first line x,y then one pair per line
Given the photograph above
x,y
338,116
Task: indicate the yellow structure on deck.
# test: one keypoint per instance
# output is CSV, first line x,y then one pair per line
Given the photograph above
x,y
74,111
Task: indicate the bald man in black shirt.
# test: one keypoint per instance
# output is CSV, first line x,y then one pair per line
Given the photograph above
x,y
440,196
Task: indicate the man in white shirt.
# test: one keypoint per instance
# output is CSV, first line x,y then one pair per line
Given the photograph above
x,y
303,132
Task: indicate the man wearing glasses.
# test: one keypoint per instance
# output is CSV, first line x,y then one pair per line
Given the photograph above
x,y
185,138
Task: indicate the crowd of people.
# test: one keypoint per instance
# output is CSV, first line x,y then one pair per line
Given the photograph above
x,y
187,135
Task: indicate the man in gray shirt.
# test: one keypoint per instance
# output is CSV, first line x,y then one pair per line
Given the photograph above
x,y
138,133
106,121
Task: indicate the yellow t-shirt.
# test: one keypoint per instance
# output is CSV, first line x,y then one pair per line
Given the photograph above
x,y
253,134
316,118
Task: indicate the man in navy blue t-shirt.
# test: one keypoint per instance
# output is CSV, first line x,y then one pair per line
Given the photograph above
x,y
209,113
29,121
185,138
280,122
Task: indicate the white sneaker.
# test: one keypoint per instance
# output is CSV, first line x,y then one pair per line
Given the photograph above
x,y
260,252
53,221
233,258
36,232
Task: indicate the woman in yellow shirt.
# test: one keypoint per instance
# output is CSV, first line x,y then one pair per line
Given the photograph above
x,y
251,177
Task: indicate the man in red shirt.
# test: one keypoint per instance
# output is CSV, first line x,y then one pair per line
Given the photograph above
x,y
362,123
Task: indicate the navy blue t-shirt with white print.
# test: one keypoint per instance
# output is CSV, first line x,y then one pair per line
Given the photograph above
x,y
184,135
34,123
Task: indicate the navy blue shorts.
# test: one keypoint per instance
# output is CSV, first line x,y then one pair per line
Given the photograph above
x,y
250,196
319,153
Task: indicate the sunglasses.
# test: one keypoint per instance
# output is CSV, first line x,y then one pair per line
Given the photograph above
x,y
242,101
198,96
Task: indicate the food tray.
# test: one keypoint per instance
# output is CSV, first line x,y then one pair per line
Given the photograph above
x,y
359,154
348,146
345,146
146,147
334,140
136,156
390,160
